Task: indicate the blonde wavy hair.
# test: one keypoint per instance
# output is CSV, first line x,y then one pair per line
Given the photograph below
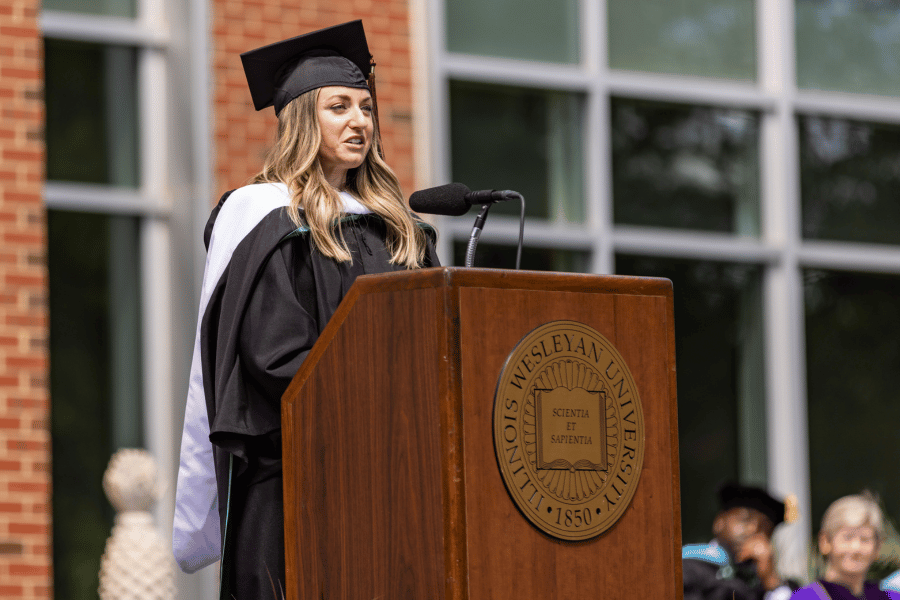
x,y
294,161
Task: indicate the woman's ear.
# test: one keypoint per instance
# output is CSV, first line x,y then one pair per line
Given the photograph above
x,y
824,544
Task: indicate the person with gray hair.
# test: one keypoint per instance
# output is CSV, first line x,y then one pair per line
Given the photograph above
x,y
850,537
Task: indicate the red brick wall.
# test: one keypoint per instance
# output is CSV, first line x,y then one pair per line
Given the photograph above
x,y
243,135
25,566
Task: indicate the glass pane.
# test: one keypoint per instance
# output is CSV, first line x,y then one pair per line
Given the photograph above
x,y
687,167
521,139
91,98
95,382
524,29
849,177
497,256
708,38
848,45
721,396
111,8
853,374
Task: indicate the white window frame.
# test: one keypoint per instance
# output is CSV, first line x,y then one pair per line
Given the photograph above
x,y
171,223
150,202
780,250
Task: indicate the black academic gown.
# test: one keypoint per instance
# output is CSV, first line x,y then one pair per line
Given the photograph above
x,y
267,311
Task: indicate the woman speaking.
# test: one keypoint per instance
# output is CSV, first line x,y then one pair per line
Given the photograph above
x,y
282,253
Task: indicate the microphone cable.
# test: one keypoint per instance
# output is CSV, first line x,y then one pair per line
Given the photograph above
x,y
521,229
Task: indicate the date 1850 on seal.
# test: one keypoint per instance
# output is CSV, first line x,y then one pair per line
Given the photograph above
x,y
568,430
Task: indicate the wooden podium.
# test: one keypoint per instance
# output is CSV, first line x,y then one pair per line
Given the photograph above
x,y
391,484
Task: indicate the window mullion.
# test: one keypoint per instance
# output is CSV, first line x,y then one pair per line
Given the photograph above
x,y
597,147
788,461
153,123
156,337
440,107
156,280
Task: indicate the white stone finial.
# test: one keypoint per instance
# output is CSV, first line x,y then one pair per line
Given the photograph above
x,y
136,564
130,480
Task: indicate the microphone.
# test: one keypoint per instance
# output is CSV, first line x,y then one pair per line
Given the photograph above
x,y
454,199
449,200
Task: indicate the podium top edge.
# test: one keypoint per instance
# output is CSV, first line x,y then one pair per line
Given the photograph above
x,y
457,277
449,279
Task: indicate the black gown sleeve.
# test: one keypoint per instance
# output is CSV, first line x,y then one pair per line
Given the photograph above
x,y
279,327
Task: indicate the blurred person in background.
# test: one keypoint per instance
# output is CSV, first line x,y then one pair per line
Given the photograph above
x,y
851,535
739,563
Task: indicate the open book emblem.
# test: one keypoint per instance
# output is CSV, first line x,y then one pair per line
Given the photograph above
x,y
571,429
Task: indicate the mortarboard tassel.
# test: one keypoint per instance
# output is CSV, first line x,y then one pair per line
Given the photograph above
x,y
791,509
371,81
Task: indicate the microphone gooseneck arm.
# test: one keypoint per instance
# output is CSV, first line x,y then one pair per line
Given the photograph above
x,y
479,227
455,199
476,233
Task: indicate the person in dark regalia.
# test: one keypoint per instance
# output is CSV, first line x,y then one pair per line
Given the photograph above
x,y
282,253
739,563
851,535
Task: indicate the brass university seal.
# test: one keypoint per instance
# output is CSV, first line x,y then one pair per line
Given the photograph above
x,y
568,430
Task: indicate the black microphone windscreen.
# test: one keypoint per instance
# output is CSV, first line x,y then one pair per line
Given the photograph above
x,y
449,199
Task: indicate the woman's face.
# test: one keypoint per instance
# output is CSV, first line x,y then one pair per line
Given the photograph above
x,y
345,119
851,551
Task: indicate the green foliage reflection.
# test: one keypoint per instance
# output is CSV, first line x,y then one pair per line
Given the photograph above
x,y
853,374
687,167
715,325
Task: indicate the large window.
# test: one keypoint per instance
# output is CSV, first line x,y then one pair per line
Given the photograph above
x,y
524,138
713,38
850,174
852,330
104,141
757,168
718,348
685,167
95,381
523,29
91,96
848,46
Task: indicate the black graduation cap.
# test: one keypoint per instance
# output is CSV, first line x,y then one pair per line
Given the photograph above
x,y
280,72
734,495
